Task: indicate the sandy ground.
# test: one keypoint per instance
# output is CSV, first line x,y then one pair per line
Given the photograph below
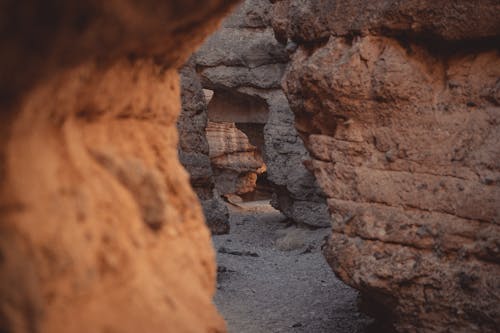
x,y
273,278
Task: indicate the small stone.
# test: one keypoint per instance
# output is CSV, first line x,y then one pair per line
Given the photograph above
x,y
308,249
224,250
390,156
488,181
291,47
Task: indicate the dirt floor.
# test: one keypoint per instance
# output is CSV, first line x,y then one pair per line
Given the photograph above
x,y
273,278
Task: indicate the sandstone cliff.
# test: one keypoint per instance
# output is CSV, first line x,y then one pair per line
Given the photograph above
x,y
99,228
243,64
398,103
194,151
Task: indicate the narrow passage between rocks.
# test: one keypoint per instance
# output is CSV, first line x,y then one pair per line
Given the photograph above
x,y
272,277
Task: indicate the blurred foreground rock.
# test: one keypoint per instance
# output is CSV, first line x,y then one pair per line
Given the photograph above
x,y
99,228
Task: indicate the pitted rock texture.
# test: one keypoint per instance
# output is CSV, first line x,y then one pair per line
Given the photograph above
x,y
194,151
398,105
236,162
244,64
310,21
100,230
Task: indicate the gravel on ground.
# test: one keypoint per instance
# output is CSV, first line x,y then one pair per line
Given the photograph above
x,y
272,277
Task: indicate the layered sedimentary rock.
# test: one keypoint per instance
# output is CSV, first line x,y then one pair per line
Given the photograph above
x,y
99,228
243,64
236,162
398,102
194,151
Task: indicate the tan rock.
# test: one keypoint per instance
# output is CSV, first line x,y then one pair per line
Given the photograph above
x,y
236,162
99,228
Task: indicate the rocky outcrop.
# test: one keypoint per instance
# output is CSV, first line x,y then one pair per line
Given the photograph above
x,y
99,228
236,162
243,64
194,151
398,103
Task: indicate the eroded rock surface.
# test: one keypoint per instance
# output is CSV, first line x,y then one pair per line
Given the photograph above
x,y
398,104
194,151
236,162
99,228
243,64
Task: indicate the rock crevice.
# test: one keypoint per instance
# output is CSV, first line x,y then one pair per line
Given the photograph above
x,y
244,64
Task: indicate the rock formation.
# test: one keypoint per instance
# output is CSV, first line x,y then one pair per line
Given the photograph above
x,y
194,151
99,228
243,64
236,162
398,103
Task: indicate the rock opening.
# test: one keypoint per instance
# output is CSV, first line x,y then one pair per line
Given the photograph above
x,y
237,117
373,124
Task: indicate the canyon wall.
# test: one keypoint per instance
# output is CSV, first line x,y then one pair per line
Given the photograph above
x,y
194,151
100,230
398,103
243,64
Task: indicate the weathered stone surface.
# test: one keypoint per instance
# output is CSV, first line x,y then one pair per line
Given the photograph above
x,y
297,195
250,14
99,228
235,161
244,64
397,102
194,150
309,21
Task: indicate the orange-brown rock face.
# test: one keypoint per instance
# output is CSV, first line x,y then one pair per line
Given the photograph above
x,y
235,161
398,103
99,228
